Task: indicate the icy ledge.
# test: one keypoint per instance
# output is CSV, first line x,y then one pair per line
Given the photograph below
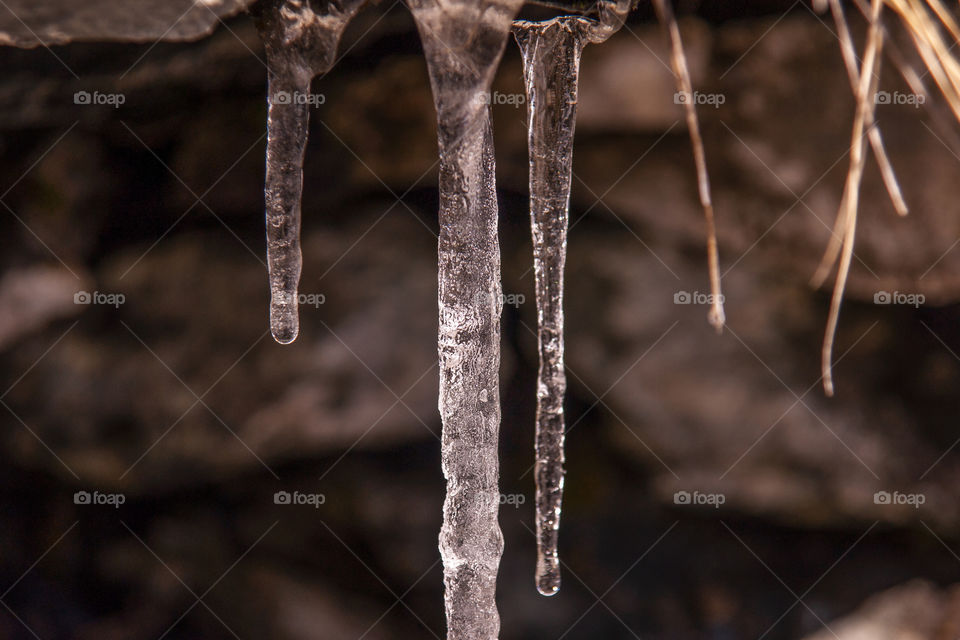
x,y
34,23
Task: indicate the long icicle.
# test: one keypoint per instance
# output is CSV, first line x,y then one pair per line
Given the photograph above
x,y
551,66
463,43
866,104
300,43
678,60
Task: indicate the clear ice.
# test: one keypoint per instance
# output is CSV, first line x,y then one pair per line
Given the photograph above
x,y
300,38
463,41
551,65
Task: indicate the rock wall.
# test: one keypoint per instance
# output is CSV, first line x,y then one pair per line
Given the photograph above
x,y
177,399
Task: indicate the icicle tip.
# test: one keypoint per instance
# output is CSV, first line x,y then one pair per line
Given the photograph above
x,y
284,323
548,577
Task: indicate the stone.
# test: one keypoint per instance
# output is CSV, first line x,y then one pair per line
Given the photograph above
x,y
26,23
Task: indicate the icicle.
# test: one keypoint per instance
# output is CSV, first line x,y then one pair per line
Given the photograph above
x,y
300,43
463,43
551,64
551,67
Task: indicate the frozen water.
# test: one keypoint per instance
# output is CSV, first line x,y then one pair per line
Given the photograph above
x,y
551,66
300,38
551,60
463,42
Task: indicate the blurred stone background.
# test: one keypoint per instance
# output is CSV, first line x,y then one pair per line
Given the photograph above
x,y
179,400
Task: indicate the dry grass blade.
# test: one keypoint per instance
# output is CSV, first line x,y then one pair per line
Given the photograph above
x,y
945,17
866,104
925,31
876,143
876,139
678,60
944,122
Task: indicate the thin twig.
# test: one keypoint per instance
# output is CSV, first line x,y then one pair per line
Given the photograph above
x,y
678,60
866,104
876,142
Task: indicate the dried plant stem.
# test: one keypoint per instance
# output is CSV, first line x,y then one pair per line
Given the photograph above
x,y
876,142
678,60
946,123
866,104
927,38
876,139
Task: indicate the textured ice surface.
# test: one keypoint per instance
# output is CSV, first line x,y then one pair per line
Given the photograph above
x,y
463,43
300,38
551,60
551,66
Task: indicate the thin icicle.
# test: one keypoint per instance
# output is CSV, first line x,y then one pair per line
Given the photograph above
x,y
678,60
551,66
300,43
463,43
866,104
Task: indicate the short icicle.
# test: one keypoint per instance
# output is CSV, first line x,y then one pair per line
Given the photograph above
x,y
551,66
300,38
463,43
